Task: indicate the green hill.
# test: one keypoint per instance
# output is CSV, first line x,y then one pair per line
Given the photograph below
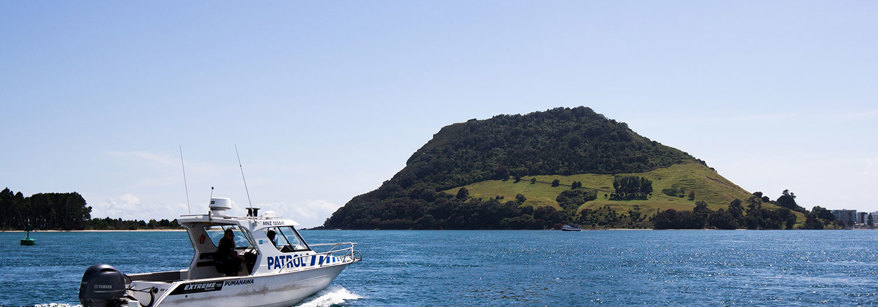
x,y
495,160
559,141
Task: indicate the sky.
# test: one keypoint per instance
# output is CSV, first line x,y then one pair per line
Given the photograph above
x,y
326,100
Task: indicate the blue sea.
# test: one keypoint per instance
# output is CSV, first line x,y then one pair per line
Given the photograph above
x,y
498,268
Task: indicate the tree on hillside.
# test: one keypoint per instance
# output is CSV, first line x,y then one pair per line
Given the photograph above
x,y
788,200
701,211
673,219
787,216
753,204
822,213
533,180
570,200
631,187
735,209
722,219
556,183
819,217
462,194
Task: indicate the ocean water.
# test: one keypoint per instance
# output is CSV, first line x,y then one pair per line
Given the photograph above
x,y
498,268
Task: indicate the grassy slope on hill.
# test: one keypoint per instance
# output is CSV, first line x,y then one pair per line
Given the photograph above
x,y
708,185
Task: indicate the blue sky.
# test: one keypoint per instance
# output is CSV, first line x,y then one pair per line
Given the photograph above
x,y
327,100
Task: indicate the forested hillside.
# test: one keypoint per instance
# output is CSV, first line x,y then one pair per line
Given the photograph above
x,y
560,141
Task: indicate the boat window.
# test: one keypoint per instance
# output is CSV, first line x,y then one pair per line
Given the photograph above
x,y
216,232
287,239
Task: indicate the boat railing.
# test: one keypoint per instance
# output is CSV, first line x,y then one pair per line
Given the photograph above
x,y
345,250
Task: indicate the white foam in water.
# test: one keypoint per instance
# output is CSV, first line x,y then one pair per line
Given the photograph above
x,y
334,295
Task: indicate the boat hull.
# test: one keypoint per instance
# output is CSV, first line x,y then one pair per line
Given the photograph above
x,y
284,289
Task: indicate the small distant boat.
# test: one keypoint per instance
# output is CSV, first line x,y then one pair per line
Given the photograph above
x,y
28,240
568,227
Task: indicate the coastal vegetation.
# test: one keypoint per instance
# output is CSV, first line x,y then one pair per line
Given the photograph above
x,y
749,214
62,211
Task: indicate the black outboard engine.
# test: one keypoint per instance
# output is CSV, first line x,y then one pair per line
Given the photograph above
x,y
102,286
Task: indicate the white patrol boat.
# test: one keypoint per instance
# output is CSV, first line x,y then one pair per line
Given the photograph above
x,y
278,272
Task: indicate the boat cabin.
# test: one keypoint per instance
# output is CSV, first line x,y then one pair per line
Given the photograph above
x,y
264,244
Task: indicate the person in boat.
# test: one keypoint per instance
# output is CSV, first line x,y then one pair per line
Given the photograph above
x,y
226,258
271,234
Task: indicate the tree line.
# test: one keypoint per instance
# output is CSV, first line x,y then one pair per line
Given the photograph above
x,y
394,207
43,211
62,211
748,214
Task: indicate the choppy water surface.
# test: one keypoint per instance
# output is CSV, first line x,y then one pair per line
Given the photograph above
x,y
505,267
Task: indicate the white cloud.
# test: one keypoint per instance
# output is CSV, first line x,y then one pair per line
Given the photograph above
x,y
861,115
122,206
129,206
308,213
167,162
158,177
146,156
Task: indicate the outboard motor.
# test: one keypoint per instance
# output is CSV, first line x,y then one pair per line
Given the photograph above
x,y
102,286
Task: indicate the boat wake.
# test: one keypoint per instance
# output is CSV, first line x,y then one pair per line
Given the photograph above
x,y
334,295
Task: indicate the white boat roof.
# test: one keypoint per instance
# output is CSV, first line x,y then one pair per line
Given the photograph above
x,y
249,222
216,215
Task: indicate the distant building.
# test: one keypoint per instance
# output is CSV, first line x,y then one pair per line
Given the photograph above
x,y
848,217
861,217
874,216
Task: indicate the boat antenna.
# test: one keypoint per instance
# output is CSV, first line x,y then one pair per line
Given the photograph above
x,y
242,177
188,207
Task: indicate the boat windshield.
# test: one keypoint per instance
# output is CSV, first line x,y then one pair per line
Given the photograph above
x,y
216,232
286,239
